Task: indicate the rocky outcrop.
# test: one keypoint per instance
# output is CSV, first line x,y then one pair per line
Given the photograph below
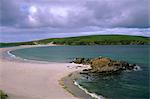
x,y
105,65
82,61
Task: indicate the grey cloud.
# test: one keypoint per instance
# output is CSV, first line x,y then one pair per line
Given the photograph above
x,y
74,13
10,13
120,13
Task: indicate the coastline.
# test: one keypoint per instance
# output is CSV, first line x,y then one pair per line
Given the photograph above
x,y
23,91
69,83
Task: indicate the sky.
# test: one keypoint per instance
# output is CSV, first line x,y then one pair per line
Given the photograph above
x,y
26,20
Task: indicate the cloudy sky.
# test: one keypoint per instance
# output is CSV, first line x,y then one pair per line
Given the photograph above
x,y
24,20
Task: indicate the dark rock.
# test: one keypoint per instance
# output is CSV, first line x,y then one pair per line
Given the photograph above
x,y
84,73
85,69
82,61
131,66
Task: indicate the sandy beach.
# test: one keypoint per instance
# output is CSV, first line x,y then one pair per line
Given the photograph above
x,y
33,80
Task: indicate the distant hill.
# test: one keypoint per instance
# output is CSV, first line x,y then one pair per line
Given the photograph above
x,y
89,40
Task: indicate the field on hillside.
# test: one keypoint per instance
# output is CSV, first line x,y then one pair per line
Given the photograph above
x,y
89,40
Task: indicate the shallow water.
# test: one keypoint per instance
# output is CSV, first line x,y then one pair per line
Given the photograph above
x,y
128,85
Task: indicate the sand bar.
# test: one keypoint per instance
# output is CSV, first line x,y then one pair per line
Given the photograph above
x,y
31,80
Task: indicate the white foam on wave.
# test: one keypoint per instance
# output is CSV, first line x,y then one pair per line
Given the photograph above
x,y
94,95
14,56
10,54
137,68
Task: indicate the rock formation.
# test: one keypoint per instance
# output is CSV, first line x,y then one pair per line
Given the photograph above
x,y
82,61
105,65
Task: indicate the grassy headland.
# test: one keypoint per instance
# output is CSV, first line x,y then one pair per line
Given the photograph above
x,y
88,40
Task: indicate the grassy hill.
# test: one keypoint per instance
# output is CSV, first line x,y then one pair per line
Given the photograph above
x,y
89,40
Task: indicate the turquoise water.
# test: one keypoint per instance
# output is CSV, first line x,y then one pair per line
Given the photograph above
x,y
128,85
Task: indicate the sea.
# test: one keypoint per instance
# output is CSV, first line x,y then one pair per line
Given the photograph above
x,y
127,85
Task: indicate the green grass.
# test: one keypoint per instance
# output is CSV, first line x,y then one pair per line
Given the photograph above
x,y
89,40
3,95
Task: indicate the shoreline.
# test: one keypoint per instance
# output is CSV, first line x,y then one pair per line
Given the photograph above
x,y
60,79
69,83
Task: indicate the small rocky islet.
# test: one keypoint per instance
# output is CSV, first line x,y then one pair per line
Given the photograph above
x,y
104,65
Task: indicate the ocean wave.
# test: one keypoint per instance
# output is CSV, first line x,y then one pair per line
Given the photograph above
x,y
137,68
94,95
14,56
23,59
11,55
